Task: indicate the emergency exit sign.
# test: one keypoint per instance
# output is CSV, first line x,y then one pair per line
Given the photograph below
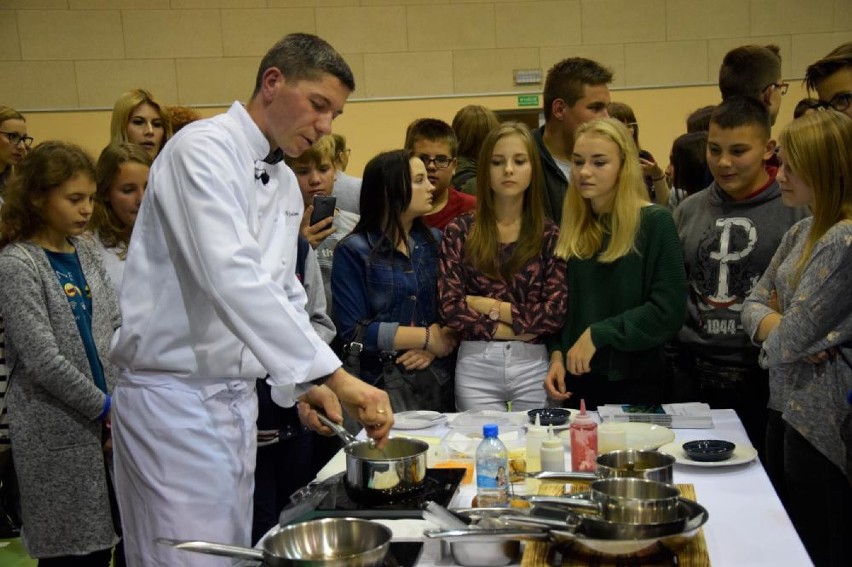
x,y
528,100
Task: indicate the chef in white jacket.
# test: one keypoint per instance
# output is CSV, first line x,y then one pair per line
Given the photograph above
x,y
210,302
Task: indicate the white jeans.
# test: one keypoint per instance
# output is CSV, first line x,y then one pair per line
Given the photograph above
x,y
491,373
184,462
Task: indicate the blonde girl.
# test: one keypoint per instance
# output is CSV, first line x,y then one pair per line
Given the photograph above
x,y
121,177
626,281
801,313
500,283
139,119
60,313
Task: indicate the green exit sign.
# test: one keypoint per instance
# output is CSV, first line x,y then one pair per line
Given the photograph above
x,y
528,100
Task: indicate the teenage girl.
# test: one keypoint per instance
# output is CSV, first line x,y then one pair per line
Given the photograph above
x,y
139,119
122,175
801,313
60,313
626,280
500,283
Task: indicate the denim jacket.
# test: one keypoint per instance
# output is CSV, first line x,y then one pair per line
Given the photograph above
x,y
386,286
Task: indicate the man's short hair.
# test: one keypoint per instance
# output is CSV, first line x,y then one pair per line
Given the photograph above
x,y
302,56
433,130
839,58
565,80
747,70
699,119
738,111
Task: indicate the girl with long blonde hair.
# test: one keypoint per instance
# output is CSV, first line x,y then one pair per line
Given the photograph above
x,y
626,281
501,285
801,312
138,118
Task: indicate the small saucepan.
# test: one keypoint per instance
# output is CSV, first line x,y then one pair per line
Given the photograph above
x,y
629,463
330,542
625,501
375,476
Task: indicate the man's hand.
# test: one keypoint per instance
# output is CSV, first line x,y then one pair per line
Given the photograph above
x,y
368,404
319,398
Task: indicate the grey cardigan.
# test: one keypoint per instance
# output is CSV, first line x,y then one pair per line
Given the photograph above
x,y
53,402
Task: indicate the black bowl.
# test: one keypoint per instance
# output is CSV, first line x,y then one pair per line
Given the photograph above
x,y
549,416
709,450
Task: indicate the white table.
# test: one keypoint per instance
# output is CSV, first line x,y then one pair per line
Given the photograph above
x,y
748,526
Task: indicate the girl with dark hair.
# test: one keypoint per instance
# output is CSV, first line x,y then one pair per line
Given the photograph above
x,y
60,312
501,285
386,270
688,167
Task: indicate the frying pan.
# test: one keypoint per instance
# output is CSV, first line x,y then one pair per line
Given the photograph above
x,y
330,542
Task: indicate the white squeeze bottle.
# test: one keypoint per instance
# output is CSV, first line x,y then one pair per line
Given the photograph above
x,y
492,470
535,435
552,453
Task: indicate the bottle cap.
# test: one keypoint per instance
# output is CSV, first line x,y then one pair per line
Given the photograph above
x,y
538,429
583,418
552,441
489,430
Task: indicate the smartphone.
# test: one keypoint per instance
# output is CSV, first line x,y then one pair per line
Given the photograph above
x,y
323,208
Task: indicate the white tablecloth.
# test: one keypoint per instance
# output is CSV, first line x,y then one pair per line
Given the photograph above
x,y
748,526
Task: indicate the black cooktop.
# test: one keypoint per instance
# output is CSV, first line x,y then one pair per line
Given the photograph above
x,y
440,485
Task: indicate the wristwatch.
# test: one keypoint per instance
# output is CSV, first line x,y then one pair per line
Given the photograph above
x,y
494,314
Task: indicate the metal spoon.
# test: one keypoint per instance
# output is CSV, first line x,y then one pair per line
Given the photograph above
x,y
347,437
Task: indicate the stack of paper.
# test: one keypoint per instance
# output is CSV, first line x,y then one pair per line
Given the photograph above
x,y
693,415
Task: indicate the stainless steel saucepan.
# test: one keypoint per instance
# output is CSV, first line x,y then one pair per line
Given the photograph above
x,y
629,463
376,475
624,500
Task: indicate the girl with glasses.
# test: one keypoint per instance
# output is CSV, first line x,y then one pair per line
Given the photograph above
x,y
14,143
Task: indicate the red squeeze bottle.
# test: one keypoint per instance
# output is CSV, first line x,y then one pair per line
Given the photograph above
x,y
584,442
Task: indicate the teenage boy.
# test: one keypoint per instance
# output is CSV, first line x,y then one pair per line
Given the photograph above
x,y
831,78
754,71
435,142
575,92
729,232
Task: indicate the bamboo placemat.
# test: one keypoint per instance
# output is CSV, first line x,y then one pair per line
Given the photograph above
x,y
537,554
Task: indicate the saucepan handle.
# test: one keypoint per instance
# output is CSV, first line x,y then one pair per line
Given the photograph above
x,y
213,548
338,429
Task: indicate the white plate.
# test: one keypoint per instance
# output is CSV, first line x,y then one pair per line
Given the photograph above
x,y
646,436
742,454
475,419
417,419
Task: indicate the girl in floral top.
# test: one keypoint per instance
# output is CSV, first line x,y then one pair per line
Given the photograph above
x,y
501,285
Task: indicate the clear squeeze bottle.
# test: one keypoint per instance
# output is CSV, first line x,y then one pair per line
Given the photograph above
x,y
535,435
492,470
584,442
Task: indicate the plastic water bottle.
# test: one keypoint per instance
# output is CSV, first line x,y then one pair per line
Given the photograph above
x,y
492,470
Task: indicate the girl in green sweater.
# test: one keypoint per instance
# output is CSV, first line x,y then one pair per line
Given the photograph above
x,y
626,280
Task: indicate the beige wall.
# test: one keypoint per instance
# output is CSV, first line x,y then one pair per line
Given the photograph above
x,y
77,56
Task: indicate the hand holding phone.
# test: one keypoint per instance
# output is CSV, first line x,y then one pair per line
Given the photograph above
x,y
323,208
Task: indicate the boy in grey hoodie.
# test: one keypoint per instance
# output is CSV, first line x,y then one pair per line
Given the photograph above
x,y
729,232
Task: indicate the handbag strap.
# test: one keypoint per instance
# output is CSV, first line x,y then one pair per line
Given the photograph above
x,y
355,347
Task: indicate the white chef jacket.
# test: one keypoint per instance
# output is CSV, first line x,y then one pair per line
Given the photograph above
x,y
209,286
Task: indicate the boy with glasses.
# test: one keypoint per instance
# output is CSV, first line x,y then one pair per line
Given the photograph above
x,y
754,71
831,78
435,142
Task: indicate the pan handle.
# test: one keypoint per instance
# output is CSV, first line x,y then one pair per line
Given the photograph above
x,y
575,503
213,548
338,429
565,476
473,534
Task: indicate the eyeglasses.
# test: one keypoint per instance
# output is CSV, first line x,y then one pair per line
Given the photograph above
x,y
839,102
440,161
631,124
15,139
782,86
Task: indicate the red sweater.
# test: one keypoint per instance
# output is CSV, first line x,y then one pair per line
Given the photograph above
x,y
458,203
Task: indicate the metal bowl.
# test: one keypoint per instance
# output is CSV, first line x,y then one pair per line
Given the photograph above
x,y
330,542
549,416
486,553
709,450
